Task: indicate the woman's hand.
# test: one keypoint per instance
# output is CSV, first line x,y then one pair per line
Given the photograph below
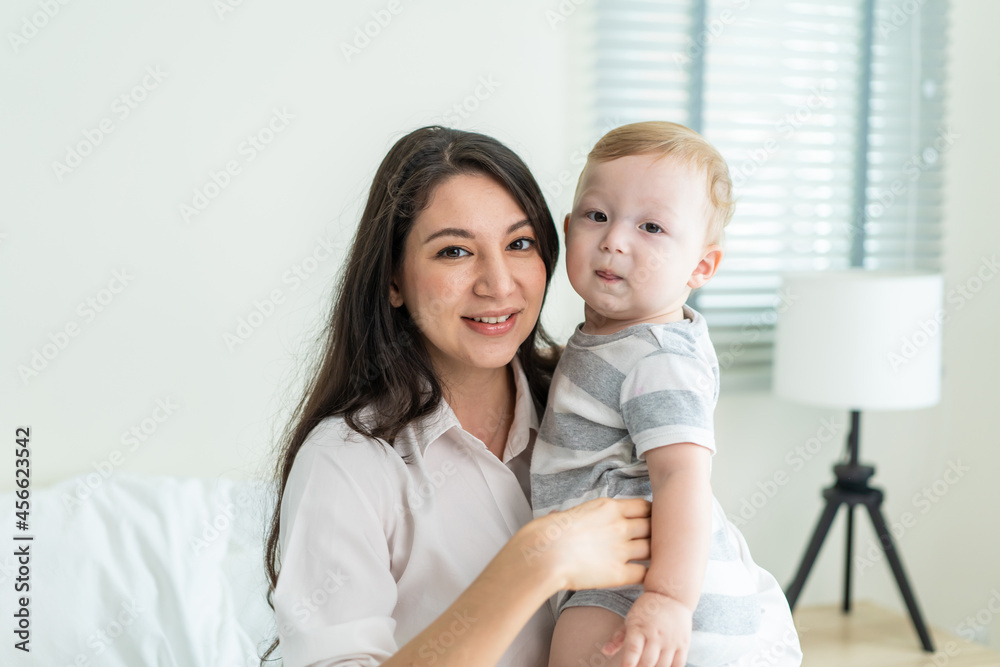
x,y
590,545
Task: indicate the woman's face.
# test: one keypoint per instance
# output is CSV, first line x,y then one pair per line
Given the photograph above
x,y
471,255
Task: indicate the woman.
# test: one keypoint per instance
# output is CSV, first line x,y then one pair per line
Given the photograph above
x,y
403,531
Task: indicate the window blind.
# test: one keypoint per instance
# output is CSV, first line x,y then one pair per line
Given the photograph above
x,y
830,115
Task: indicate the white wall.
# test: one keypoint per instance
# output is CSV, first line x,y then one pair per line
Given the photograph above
x,y
161,338
189,282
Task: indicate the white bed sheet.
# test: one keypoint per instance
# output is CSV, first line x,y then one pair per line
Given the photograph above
x,y
145,570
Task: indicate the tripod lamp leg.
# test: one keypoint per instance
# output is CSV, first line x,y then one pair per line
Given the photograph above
x,y
897,570
847,558
822,528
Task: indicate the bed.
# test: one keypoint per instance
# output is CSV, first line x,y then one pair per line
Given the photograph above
x,y
129,570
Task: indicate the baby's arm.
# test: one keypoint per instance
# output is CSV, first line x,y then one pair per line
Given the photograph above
x,y
659,623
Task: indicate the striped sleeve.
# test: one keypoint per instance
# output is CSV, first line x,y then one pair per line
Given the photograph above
x,y
669,397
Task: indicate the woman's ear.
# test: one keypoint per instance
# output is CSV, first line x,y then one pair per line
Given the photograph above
x,y
707,267
395,296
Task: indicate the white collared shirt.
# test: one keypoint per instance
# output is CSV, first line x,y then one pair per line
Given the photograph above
x,y
374,549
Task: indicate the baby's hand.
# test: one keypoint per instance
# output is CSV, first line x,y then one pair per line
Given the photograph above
x,y
656,633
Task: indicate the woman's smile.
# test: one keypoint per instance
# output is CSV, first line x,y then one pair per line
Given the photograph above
x,y
492,326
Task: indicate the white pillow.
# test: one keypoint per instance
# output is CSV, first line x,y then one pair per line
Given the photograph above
x,y
141,570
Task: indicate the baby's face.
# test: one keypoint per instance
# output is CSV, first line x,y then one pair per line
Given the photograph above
x,y
635,240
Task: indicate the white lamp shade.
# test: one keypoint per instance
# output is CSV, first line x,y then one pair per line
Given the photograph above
x,y
860,340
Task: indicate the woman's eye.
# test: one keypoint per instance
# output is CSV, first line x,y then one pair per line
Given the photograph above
x,y
597,216
650,227
453,252
522,243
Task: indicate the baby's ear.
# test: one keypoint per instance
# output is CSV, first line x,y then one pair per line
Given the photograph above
x,y
707,267
566,226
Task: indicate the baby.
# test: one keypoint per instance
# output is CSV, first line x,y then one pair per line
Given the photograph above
x,y
630,409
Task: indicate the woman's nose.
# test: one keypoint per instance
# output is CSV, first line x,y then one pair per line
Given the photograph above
x,y
495,278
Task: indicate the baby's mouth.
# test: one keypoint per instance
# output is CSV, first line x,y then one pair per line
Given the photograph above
x,y
608,276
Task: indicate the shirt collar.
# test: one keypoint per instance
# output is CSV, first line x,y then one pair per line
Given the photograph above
x,y
525,415
442,419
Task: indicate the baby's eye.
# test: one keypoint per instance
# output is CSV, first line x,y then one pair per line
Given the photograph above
x,y
597,216
452,252
650,227
523,243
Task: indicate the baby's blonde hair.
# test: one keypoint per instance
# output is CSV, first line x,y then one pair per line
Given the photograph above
x,y
670,139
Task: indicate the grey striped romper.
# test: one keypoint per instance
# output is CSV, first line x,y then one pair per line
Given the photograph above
x,y
613,398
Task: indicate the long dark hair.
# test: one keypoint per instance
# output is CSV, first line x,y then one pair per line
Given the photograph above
x,y
374,370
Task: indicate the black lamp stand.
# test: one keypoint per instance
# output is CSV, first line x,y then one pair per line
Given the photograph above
x,y
850,489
